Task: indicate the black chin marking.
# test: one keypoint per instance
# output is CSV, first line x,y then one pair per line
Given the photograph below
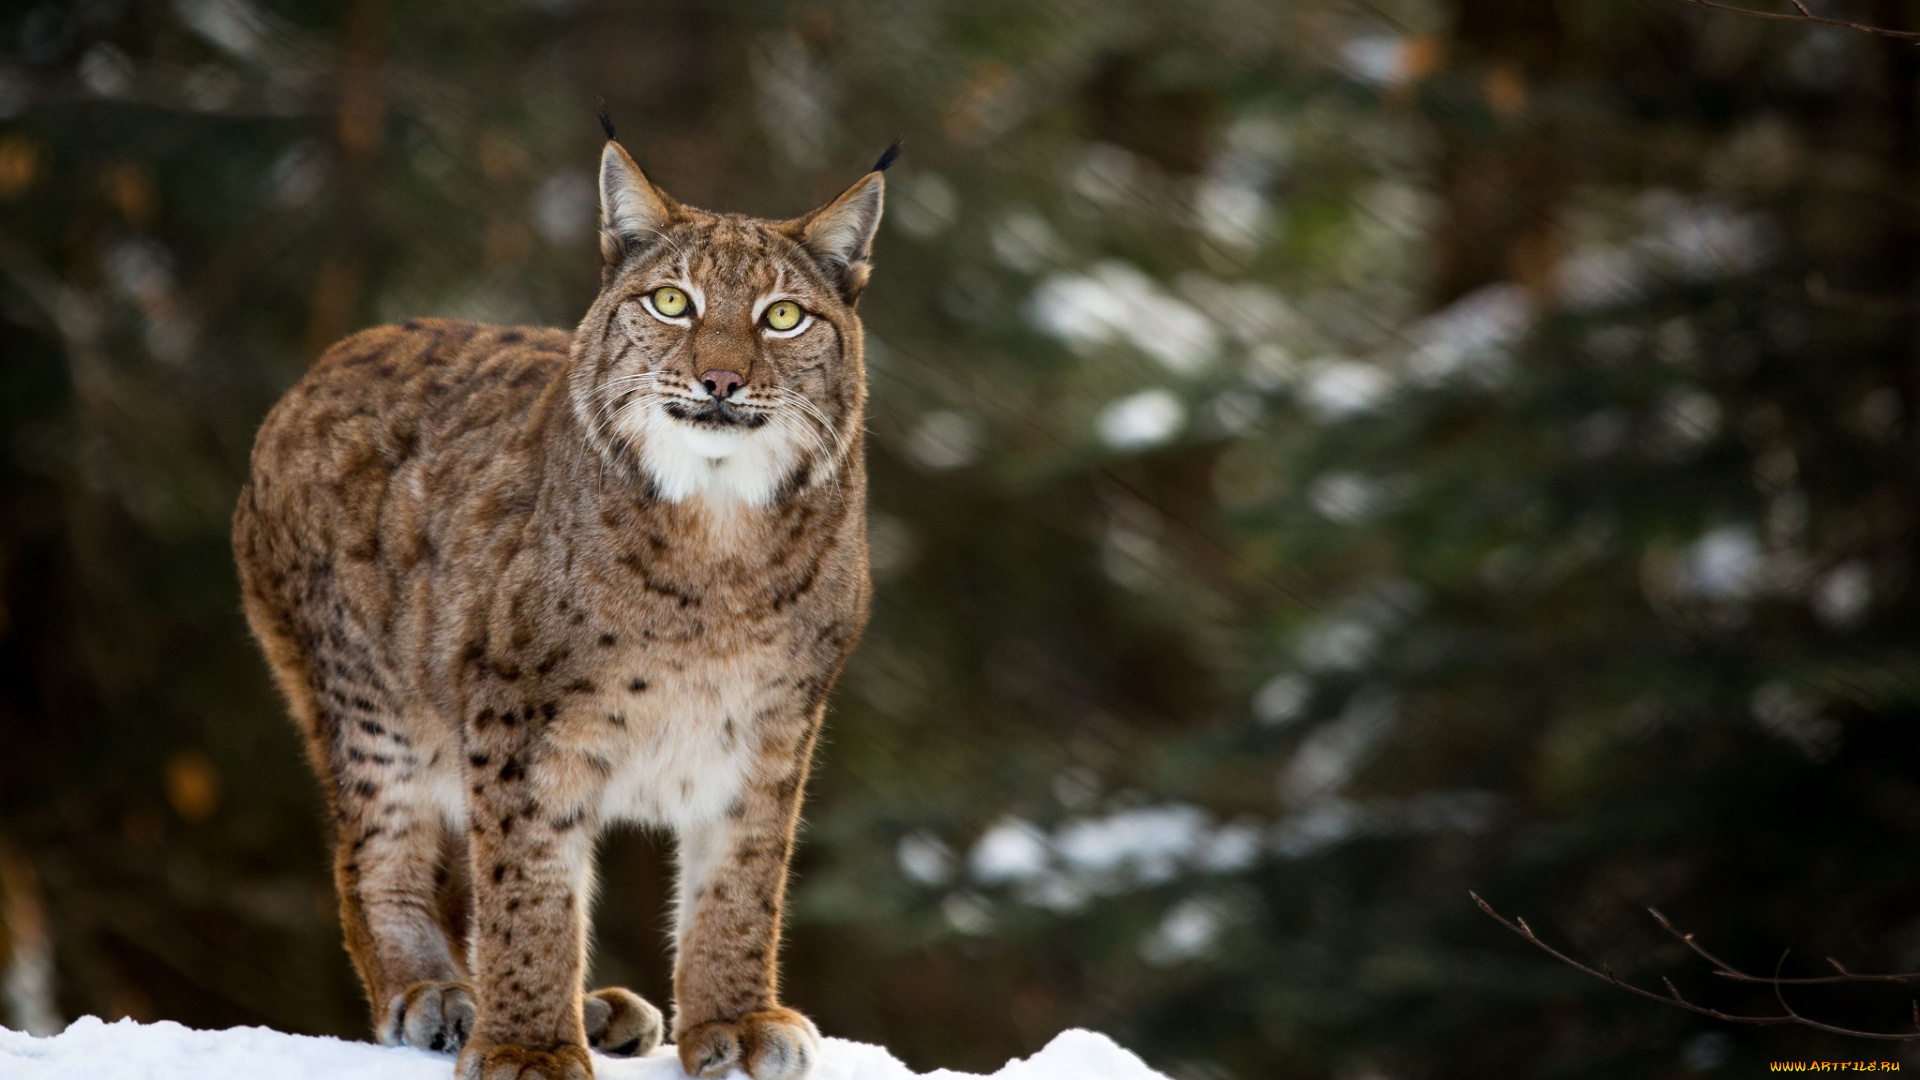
x,y
716,414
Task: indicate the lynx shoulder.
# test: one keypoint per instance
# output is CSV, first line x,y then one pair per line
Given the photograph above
x,y
518,583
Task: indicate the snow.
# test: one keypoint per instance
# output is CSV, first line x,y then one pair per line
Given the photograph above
x,y
1724,564
1154,839
1142,420
1117,301
1013,850
944,440
91,1049
1334,389
1472,336
1694,240
1379,59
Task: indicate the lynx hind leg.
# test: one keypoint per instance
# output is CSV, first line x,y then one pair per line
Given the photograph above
x,y
399,866
431,1016
621,1023
400,870
439,1014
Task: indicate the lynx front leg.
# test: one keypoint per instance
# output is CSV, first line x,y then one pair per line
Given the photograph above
x,y
733,876
531,875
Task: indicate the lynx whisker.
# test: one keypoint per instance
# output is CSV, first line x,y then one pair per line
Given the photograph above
x,y
817,444
812,412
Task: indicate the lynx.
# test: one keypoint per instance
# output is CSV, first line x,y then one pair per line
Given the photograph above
x,y
517,584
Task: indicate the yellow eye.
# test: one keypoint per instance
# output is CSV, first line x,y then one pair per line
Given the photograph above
x,y
669,301
784,315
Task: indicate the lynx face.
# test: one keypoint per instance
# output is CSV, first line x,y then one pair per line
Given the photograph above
x,y
727,360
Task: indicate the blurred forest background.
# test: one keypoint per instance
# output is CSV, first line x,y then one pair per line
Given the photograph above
x,y
1329,455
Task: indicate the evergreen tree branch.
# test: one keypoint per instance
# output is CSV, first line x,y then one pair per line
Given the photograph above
x,y
1673,997
1801,14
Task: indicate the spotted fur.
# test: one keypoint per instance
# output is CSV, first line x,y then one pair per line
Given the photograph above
x,y
517,584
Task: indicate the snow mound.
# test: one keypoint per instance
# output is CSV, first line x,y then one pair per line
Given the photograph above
x,y
91,1049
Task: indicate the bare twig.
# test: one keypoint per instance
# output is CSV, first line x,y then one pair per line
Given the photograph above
x,y
1728,971
1673,997
1801,14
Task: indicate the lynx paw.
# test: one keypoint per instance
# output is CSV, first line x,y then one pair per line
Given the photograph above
x,y
430,1015
486,1060
777,1044
621,1023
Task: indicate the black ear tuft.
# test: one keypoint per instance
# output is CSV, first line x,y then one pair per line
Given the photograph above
x,y
886,159
606,118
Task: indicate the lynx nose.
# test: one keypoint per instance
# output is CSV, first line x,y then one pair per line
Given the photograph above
x,y
721,383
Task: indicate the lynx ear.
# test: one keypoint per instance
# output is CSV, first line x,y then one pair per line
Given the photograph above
x,y
632,210
840,234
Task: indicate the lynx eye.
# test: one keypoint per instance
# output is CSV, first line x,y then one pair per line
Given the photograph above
x,y
784,315
668,301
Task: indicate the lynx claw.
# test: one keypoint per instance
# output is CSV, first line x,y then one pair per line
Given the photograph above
x,y
431,1016
621,1023
775,1044
486,1060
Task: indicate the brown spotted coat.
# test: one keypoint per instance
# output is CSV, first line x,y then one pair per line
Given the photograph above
x,y
512,595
